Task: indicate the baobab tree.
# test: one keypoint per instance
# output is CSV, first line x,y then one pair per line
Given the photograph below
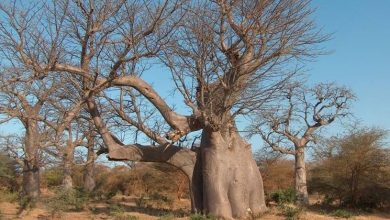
x,y
296,121
226,58
22,97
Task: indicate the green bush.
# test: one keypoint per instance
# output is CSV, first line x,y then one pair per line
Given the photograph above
x,y
26,202
118,212
160,200
65,200
284,196
9,173
291,212
198,216
342,213
8,196
125,217
116,209
141,201
52,177
167,217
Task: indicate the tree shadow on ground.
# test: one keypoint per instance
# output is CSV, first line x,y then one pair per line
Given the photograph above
x,y
152,211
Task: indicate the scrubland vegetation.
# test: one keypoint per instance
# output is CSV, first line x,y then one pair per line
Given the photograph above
x,y
348,177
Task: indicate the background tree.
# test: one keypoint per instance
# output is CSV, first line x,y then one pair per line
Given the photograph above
x,y
354,169
89,172
295,121
22,97
65,121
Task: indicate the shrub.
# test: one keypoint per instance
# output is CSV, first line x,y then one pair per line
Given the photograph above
x,y
111,181
167,217
9,173
198,216
160,200
65,200
27,202
284,196
8,196
353,170
116,209
141,201
125,217
52,177
277,172
342,213
118,212
291,212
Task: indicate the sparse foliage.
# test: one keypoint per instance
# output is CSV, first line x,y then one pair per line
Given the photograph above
x,y
353,170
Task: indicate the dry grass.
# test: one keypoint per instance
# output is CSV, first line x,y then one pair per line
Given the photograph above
x,y
101,210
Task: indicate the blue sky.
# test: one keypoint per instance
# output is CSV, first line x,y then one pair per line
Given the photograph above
x,y
360,57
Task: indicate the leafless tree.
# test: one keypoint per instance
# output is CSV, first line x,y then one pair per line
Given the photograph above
x,y
22,97
64,119
296,120
227,58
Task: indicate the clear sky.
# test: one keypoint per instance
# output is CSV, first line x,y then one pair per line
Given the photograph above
x,y
360,57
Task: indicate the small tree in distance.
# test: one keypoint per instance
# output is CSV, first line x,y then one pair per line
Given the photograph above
x,y
289,127
354,169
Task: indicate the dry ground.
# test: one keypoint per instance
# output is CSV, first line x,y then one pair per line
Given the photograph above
x,y
100,211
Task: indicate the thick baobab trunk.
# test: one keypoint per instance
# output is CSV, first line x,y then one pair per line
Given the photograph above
x,y
232,184
300,177
89,173
31,179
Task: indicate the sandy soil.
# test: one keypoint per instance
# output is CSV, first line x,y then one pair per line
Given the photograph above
x,y
100,211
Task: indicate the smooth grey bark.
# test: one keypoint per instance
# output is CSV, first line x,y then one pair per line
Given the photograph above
x,y
68,157
89,172
67,181
232,184
31,167
300,177
196,186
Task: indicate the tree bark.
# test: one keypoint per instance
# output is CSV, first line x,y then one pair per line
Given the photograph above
x,y
67,181
232,184
89,173
68,157
31,167
196,185
300,177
